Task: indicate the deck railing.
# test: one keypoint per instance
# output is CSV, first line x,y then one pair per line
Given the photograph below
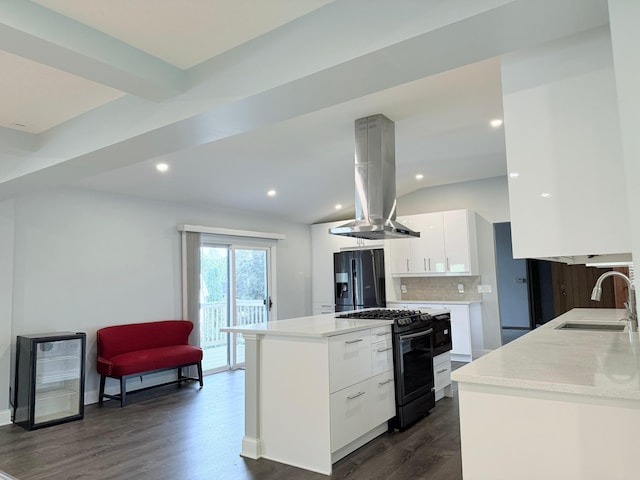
x,y
213,316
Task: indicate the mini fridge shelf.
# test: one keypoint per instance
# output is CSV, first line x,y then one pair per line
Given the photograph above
x,y
49,380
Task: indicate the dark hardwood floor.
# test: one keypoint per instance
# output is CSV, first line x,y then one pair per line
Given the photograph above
x,y
187,433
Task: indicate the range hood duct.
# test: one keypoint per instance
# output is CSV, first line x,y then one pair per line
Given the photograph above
x,y
375,175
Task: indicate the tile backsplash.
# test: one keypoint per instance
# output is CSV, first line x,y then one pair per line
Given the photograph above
x,y
441,288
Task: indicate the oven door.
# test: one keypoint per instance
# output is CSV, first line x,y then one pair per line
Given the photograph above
x,y
413,365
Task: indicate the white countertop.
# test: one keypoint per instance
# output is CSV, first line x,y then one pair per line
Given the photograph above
x,y
596,363
325,325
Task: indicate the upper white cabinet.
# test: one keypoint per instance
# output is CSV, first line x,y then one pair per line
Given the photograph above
x,y
446,246
567,194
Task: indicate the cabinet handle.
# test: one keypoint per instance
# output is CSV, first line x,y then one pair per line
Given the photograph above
x,y
407,264
424,263
442,371
447,264
385,382
429,263
380,350
351,397
353,341
382,334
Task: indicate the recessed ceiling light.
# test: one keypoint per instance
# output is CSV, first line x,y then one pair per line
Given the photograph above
x,y
514,175
419,176
162,167
338,206
545,195
496,122
272,193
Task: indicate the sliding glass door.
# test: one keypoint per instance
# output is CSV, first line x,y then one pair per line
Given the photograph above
x,y
234,290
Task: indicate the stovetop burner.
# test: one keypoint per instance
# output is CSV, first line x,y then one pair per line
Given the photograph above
x,y
402,318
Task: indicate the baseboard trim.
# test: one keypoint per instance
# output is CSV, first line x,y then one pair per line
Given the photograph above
x,y
5,417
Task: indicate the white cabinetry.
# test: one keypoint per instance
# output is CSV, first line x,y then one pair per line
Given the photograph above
x,y
349,359
446,246
361,383
323,246
567,193
442,375
320,398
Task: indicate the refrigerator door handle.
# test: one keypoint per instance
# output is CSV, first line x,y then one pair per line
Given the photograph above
x,y
355,286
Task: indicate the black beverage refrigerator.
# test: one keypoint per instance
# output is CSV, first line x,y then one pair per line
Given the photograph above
x,y
49,381
359,279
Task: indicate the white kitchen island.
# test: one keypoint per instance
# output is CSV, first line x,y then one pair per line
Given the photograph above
x,y
316,388
554,404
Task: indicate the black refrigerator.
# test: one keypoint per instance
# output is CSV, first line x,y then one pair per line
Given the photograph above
x,y
359,279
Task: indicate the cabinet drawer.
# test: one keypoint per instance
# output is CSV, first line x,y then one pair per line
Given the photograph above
x,y
351,414
384,397
442,374
381,356
380,334
442,358
349,359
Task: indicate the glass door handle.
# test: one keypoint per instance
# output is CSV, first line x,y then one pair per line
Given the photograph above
x,y
269,305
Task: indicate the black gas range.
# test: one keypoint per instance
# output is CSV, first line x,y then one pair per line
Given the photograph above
x,y
418,336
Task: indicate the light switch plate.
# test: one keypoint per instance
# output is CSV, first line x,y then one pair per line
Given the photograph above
x,y
461,288
403,288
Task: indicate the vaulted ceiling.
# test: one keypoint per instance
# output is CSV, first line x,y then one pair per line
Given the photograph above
x,y
242,96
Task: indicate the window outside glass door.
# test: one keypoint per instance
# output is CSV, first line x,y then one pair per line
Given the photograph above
x,y
234,291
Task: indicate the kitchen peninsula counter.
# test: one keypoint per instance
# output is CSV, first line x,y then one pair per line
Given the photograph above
x,y
316,388
325,325
555,403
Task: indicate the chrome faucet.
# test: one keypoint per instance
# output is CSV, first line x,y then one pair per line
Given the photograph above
x,y
631,299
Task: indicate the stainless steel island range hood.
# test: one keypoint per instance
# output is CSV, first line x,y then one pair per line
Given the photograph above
x,y
375,174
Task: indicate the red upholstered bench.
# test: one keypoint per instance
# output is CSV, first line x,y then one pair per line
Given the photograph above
x,y
135,349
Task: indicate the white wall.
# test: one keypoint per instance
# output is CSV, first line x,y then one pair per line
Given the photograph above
x,y
488,197
84,260
6,289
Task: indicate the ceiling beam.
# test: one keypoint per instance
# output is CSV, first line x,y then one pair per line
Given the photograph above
x,y
14,141
46,37
514,26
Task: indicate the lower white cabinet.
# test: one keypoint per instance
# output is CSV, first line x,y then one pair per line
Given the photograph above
x,y
321,398
351,414
381,350
384,397
442,375
349,359
361,380
322,308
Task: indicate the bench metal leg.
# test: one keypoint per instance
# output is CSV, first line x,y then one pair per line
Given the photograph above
x,y
200,374
102,381
123,390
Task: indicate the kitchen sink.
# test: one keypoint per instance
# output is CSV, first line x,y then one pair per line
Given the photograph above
x,y
591,326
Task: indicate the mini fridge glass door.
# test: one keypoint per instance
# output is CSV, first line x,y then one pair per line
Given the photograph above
x,y
58,379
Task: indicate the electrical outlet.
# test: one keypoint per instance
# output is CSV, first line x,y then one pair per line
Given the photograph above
x,y
403,288
461,288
